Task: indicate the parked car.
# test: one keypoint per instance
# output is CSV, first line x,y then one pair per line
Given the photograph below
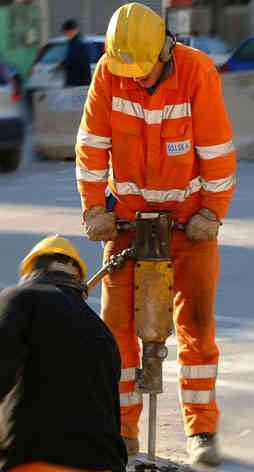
x,y
11,118
241,59
214,46
45,75
57,115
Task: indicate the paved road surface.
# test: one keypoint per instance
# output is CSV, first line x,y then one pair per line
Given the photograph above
x,y
41,198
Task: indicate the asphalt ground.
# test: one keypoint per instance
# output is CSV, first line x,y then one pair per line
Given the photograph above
x,y
41,198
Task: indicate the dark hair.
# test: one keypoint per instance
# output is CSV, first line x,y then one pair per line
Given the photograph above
x,y
69,25
44,261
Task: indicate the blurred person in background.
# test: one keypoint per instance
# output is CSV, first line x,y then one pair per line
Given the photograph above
x,y
59,370
76,63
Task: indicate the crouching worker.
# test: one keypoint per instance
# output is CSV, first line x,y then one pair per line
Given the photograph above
x,y
59,369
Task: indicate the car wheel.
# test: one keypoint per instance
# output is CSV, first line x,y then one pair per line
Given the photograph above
x,y
9,160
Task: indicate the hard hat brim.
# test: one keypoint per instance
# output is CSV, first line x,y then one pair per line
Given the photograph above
x,y
121,69
27,264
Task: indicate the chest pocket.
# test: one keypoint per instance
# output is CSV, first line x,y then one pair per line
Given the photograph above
x,y
176,138
129,125
127,142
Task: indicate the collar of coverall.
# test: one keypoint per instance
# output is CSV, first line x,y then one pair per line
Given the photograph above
x,y
171,81
55,278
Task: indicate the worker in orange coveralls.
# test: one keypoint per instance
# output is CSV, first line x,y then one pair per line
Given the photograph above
x,y
155,133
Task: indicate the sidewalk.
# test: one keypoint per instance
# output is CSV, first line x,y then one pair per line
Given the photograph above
x,y
238,92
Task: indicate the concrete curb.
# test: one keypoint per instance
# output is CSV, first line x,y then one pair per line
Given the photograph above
x,y
238,93
245,147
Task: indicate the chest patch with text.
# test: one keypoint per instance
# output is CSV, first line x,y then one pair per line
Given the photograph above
x,y
176,149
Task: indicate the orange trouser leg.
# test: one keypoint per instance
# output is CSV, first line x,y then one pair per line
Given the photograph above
x,y
45,467
117,312
195,279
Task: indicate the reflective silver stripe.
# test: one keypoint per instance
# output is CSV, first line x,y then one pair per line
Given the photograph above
x,y
198,371
212,152
177,111
130,398
92,175
130,188
219,185
128,375
127,107
92,140
196,396
151,117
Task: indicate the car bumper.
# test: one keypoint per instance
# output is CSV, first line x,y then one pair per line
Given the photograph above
x,y
11,132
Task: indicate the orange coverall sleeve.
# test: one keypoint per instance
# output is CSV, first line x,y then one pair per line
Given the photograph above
x,y
94,140
212,131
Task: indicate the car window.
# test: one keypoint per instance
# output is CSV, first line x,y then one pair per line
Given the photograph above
x,y
201,44
245,51
220,46
53,53
207,44
184,40
95,51
211,45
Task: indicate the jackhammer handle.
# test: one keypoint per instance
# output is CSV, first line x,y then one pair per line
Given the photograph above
x,y
127,225
179,226
96,278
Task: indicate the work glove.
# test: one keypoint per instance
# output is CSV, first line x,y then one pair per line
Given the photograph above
x,y
100,225
203,226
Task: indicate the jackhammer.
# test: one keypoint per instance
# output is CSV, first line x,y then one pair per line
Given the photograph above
x,y
153,300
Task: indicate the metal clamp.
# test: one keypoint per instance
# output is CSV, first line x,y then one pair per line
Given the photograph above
x,y
116,261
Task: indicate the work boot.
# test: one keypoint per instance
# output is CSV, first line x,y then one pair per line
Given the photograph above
x,y
203,449
132,445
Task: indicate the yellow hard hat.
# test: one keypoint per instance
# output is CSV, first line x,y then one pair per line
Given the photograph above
x,y
52,245
134,40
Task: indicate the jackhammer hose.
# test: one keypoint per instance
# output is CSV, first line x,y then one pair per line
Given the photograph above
x,y
96,278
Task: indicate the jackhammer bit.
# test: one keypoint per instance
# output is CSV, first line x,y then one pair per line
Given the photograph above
x,y
149,380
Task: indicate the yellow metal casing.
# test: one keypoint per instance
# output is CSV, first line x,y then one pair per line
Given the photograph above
x,y
153,300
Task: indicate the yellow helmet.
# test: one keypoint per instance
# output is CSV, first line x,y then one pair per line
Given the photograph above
x,y
134,40
52,245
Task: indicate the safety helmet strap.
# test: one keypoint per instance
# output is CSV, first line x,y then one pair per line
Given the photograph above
x,y
168,47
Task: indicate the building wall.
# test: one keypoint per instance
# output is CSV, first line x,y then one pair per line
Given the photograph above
x,y
93,15
154,4
61,10
201,20
97,23
19,35
251,17
234,24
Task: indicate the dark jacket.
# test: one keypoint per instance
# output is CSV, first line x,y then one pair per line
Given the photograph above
x,y
76,63
66,368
